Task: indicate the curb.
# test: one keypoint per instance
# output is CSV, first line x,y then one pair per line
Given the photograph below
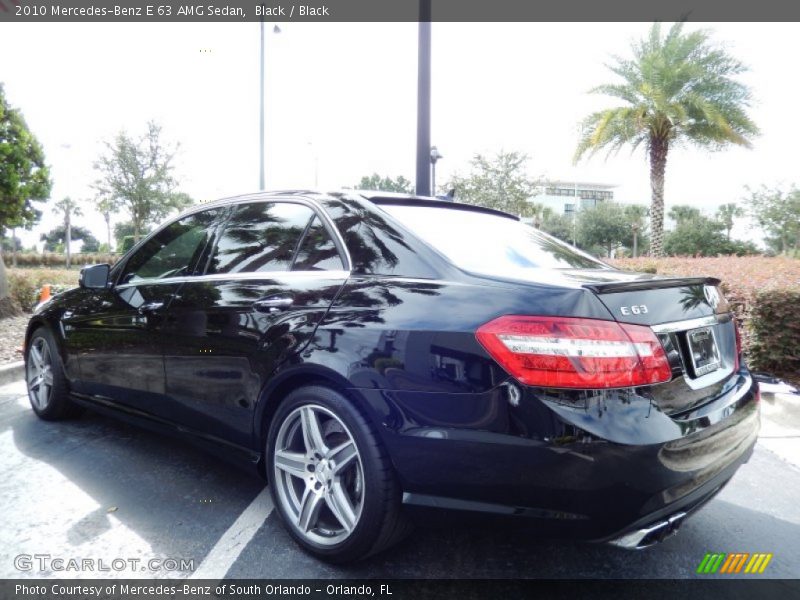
x,y
12,372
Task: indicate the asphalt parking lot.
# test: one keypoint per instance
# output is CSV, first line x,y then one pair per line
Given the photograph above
x,y
95,488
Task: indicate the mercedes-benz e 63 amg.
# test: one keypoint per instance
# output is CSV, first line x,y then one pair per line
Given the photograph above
x,y
372,353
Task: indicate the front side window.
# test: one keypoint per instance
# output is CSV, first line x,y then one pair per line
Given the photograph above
x,y
260,237
173,251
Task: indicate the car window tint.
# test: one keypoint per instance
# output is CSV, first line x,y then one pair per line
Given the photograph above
x,y
173,251
260,237
317,250
490,244
376,245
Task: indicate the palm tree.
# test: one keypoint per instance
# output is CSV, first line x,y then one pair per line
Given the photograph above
x,y
105,206
67,208
636,215
726,214
677,89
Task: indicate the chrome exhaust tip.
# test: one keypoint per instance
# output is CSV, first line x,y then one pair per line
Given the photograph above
x,y
650,535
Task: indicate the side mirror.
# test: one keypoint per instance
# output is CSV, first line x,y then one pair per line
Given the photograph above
x,y
94,277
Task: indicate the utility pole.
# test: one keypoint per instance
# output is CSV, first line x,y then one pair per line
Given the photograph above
x,y
261,113
423,187
261,117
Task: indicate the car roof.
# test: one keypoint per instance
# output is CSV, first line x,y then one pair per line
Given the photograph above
x,y
379,198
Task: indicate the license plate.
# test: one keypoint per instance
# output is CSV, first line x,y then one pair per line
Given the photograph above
x,y
703,350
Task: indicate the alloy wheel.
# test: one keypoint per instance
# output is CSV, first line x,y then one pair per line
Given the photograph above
x,y
319,475
40,374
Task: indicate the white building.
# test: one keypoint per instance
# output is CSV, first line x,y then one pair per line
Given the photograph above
x,y
567,197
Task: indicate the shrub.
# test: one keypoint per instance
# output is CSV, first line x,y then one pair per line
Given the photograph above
x,y
775,330
55,259
762,292
26,284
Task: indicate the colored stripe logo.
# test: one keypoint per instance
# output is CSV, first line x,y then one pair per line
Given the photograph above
x,y
731,563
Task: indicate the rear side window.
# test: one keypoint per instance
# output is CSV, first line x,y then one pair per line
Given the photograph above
x,y
317,251
489,244
260,237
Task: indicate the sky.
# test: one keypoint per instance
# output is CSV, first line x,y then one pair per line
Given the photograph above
x,y
341,103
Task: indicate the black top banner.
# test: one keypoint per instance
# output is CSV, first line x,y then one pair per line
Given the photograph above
x,y
320,11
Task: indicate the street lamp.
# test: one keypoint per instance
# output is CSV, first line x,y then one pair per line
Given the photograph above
x,y
424,99
435,156
275,29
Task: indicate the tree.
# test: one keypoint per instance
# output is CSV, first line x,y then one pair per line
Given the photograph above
x,y
500,182
677,89
386,184
67,208
539,213
696,236
12,244
777,212
701,236
24,180
726,213
55,240
105,207
683,213
604,225
123,231
136,174
558,225
636,220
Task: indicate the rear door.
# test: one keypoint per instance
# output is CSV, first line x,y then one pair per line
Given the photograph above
x,y
270,277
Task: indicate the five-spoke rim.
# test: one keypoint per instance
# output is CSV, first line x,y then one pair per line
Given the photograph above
x,y
318,473
40,373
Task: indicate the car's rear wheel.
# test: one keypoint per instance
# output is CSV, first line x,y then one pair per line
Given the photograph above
x,y
48,389
330,477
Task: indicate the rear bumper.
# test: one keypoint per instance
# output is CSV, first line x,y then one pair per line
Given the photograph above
x,y
554,465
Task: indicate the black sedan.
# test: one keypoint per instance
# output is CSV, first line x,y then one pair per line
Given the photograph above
x,y
370,353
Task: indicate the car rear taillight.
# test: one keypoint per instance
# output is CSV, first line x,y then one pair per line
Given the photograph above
x,y
566,352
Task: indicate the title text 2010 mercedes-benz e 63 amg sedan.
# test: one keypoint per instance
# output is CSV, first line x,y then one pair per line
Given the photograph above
x,y
371,353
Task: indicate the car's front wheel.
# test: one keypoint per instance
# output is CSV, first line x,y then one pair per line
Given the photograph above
x,y
48,389
330,477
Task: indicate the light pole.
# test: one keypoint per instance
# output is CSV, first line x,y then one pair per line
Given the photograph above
x,y
424,100
575,216
275,29
435,156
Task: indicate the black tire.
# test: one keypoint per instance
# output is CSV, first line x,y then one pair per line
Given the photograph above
x,y
58,405
381,522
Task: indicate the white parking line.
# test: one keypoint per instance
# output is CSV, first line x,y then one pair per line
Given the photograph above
x,y
225,552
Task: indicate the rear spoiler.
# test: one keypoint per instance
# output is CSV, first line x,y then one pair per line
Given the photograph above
x,y
649,284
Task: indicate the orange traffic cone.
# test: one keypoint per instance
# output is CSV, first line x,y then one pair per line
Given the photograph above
x,y
44,295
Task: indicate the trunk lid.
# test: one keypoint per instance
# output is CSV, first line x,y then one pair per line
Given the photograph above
x,y
694,324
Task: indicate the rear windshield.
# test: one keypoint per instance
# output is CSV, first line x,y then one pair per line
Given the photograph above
x,y
489,244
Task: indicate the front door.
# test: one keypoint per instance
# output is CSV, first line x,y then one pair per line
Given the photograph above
x,y
117,332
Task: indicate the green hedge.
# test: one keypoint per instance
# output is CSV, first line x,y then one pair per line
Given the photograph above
x,y
26,284
56,259
774,331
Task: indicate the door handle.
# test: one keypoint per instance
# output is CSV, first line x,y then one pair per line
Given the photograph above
x,y
273,304
150,307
